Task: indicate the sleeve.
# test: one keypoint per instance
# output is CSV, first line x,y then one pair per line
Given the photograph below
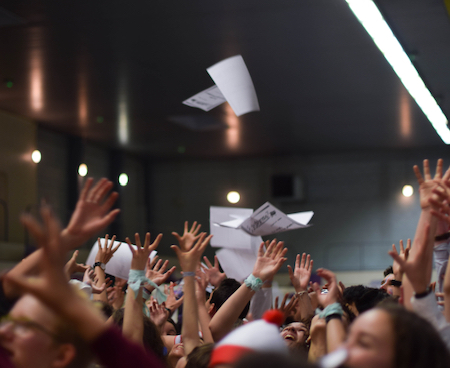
x,y
427,308
115,351
261,301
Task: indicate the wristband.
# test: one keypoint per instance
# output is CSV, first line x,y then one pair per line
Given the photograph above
x,y
333,316
169,310
444,236
395,283
136,279
188,273
253,283
424,294
335,308
300,293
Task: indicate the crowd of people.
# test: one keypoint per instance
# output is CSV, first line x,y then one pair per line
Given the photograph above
x,y
50,319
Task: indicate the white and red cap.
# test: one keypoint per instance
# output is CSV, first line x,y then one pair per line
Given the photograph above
x,y
259,336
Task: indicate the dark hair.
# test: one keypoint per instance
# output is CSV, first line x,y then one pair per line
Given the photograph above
x,y
388,271
104,307
370,299
226,288
175,325
417,343
269,360
151,338
353,293
200,356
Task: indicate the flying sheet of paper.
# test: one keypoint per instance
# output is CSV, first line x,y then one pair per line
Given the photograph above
x,y
268,219
119,265
233,79
207,99
237,264
227,237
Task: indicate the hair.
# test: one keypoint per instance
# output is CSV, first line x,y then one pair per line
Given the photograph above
x,y
200,356
353,293
226,288
172,322
388,271
67,335
151,338
106,308
370,299
417,343
269,360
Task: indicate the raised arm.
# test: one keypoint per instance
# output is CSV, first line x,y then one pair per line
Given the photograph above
x,y
189,261
300,278
267,265
104,254
133,324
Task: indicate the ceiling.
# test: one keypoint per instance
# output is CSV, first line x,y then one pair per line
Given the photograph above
x,y
116,72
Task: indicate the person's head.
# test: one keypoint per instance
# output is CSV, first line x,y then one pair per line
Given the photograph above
x,y
35,337
392,337
220,295
170,328
370,299
151,338
269,360
199,357
388,270
295,335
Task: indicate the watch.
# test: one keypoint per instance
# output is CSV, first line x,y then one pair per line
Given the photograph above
x,y
100,264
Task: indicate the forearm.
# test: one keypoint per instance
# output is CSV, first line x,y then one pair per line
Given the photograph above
x,y
133,324
261,301
101,279
335,334
189,329
305,310
204,320
224,319
27,267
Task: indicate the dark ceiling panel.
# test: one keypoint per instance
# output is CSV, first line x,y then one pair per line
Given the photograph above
x,y
116,72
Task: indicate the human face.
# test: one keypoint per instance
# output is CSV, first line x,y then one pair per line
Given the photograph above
x,y
370,343
385,284
31,341
295,334
169,329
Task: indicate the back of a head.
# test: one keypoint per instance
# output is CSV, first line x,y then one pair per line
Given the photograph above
x,y
269,360
199,357
417,343
370,299
353,293
226,288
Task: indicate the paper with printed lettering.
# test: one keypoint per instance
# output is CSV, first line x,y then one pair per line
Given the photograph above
x,y
234,81
120,263
207,99
268,220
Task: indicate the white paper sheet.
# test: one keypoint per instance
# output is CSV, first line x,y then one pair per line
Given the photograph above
x,y
237,264
233,79
207,99
268,220
119,265
227,237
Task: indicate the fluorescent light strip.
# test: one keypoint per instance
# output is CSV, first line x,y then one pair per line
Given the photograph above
x,y
372,20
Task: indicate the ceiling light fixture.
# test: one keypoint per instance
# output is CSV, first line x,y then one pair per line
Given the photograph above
x,y
370,17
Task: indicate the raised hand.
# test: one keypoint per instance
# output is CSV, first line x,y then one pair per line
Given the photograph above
x,y
213,272
156,270
72,266
106,252
158,313
88,279
189,236
92,213
202,280
189,259
404,252
289,308
269,262
333,294
415,266
172,302
427,183
141,254
302,272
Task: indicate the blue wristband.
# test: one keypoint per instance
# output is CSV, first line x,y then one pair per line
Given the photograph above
x,y
254,283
